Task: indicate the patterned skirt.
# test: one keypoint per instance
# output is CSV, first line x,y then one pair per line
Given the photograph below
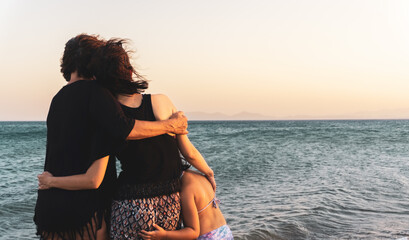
x,y
131,216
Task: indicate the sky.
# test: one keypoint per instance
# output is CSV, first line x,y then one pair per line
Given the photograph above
x,y
317,59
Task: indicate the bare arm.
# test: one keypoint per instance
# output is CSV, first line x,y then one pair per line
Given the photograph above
x,y
193,156
190,221
92,179
177,123
107,113
163,108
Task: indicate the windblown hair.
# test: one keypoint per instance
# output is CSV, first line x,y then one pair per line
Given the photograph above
x,y
78,54
112,69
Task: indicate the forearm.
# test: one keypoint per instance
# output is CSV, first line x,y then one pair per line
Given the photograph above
x,y
197,161
75,182
192,155
89,180
147,129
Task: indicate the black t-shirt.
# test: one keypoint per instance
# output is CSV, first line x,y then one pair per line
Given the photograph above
x,y
84,123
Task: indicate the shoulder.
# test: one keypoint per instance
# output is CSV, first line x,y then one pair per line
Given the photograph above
x,y
188,184
162,101
192,184
90,87
93,84
161,98
79,88
97,91
190,178
162,106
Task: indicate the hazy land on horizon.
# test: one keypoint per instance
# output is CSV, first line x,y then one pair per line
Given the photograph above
x,y
382,114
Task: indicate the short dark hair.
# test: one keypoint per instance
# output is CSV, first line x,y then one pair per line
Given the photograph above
x,y
78,53
112,69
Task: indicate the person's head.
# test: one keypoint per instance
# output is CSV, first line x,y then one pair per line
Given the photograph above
x,y
78,53
112,69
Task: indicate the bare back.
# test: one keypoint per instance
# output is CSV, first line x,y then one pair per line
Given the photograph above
x,y
210,218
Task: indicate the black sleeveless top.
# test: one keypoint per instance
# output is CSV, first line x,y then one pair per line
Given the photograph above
x,y
150,167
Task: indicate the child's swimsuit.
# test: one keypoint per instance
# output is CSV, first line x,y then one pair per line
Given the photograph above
x,y
215,201
221,233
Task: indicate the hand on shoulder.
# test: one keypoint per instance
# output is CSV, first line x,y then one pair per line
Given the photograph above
x,y
163,109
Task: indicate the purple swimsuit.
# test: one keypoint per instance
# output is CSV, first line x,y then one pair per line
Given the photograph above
x,y
221,233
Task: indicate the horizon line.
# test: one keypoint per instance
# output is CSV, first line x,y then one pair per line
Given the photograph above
x,y
260,120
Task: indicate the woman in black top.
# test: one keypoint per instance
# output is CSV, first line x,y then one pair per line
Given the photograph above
x,y
83,124
148,186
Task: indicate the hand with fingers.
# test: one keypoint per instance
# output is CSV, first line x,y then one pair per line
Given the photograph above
x,y
159,233
179,123
209,174
212,181
44,180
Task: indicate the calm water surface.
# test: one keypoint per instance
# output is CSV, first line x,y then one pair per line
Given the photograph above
x,y
276,179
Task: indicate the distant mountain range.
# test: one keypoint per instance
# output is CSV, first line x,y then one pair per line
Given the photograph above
x,y
402,113
222,116
382,114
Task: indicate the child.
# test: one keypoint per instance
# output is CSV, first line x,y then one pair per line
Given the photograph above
x,y
202,218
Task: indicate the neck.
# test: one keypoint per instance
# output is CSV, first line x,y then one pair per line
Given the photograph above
x,y
133,100
74,78
123,97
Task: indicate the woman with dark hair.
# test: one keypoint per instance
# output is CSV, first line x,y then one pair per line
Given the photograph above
x,y
147,190
84,123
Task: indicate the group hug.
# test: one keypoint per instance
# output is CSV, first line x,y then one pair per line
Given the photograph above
x,y
102,116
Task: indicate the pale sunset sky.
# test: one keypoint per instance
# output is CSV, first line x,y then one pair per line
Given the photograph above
x,y
284,59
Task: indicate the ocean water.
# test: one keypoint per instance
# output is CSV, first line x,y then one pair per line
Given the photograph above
x,y
276,179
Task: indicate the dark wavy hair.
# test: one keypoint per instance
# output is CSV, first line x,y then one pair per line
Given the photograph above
x,y
112,69
78,53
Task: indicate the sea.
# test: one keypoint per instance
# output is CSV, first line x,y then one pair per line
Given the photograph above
x,y
332,179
